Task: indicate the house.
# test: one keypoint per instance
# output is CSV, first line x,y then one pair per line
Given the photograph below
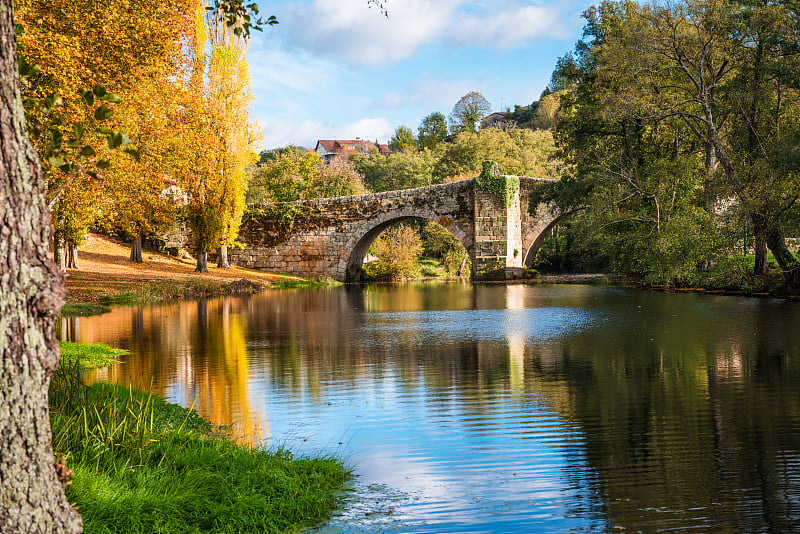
x,y
336,149
495,120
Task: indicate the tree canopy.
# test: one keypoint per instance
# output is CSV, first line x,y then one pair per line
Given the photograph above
x,y
468,112
432,130
676,122
403,139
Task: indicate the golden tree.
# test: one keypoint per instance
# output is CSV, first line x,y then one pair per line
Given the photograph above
x,y
216,186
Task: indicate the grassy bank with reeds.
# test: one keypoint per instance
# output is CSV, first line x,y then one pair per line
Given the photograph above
x,y
140,464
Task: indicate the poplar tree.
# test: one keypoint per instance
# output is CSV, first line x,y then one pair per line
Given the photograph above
x,y
216,187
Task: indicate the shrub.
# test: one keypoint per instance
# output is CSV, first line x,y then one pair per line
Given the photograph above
x,y
397,250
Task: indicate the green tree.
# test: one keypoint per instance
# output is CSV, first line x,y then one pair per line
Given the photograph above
x,y
397,250
468,112
297,174
723,69
401,170
654,125
517,151
403,139
432,130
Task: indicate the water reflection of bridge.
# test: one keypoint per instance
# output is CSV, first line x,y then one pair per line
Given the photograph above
x,y
682,416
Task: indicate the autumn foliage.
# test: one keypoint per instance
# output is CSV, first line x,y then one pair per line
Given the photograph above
x,y
172,121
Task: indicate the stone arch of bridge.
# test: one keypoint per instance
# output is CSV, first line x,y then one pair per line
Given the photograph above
x,y
360,244
533,249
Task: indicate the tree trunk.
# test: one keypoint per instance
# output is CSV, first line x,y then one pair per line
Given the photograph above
x,y
222,258
31,293
760,247
136,250
60,255
759,243
202,263
72,256
785,259
462,268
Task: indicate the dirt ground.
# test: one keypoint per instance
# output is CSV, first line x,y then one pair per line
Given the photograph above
x,y
104,270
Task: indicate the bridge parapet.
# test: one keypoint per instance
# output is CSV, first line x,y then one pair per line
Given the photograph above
x,y
330,237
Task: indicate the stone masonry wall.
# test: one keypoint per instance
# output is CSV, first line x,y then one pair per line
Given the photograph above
x,y
537,226
491,233
329,236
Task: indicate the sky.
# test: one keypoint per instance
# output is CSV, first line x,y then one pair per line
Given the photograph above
x,y
340,69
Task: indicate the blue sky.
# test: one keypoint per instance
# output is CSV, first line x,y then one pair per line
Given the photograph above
x,y
336,69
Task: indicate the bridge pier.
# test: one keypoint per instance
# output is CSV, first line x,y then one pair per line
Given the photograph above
x,y
498,236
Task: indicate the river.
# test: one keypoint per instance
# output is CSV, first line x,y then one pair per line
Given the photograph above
x,y
495,408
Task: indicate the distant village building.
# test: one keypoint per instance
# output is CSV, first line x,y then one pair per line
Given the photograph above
x,y
334,149
495,120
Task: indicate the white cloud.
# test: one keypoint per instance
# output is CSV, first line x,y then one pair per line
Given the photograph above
x,y
509,28
347,30
436,94
272,67
281,132
361,36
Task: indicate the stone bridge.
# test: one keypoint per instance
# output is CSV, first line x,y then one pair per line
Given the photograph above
x,y
330,237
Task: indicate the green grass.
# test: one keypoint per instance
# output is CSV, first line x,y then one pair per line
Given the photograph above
x,y
83,310
305,284
144,465
751,260
431,269
122,299
89,356
154,292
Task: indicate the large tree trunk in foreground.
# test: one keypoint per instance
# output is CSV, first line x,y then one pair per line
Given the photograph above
x,y
31,293
222,258
202,263
136,250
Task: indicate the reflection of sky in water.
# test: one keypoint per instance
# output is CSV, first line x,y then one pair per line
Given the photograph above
x,y
433,457
442,461
488,325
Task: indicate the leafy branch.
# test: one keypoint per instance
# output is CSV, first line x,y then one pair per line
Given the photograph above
x,y
69,148
240,16
504,188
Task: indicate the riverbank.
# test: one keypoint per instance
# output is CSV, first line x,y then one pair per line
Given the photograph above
x,y
138,464
106,276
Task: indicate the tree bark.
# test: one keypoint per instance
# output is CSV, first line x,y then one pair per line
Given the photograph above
x,y
462,268
60,256
222,258
760,246
136,250
72,256
202,263
785,259
31,294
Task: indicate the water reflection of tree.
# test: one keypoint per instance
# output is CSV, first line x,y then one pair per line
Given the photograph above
x,y
193,352
676,425
677,403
